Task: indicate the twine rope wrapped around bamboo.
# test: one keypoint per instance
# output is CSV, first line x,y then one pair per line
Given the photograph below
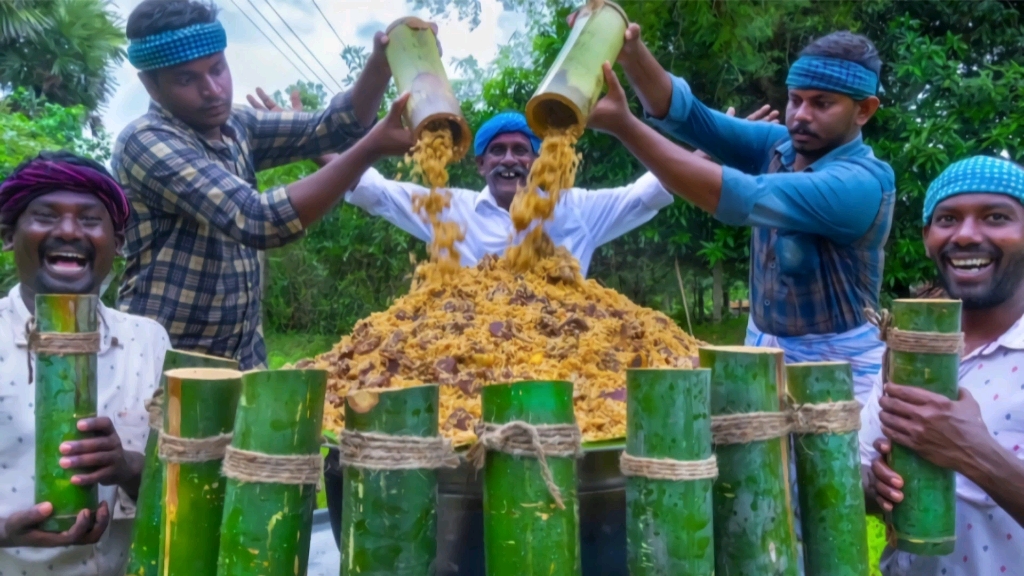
x,y
668,469
177,450
257,467
538,441
897,340
823,418
58,343
376,451
155,407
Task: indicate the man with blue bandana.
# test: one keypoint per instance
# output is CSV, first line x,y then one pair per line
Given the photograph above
x,y
505,148
819,203
199,225
974,233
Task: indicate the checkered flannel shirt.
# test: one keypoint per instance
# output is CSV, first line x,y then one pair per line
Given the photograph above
x,y
198,222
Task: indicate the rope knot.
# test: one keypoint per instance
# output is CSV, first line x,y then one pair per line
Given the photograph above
x,y
377,451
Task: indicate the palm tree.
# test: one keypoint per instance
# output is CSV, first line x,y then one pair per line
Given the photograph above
x,y
64,50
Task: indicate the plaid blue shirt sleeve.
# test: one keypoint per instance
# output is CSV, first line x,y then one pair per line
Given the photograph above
x,y
174,177
278,138
734,141
838,202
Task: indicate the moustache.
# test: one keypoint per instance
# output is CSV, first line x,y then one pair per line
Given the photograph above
x,y
804,129
985,250
78,246
518,170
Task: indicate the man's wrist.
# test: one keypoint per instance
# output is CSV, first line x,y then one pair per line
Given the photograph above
x,y
984,463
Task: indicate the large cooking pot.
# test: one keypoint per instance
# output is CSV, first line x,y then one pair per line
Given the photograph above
x,y
460,521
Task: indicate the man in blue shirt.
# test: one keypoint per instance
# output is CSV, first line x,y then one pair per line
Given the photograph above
x,y
819,202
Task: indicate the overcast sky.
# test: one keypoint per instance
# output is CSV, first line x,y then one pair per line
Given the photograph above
x,y
254,62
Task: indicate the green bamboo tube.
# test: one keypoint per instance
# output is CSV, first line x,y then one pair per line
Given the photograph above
x,y
144,555
828,477
754,527
574,82
65,393
198,403
266,528
525,533
415,61
389,517
669,523
925,522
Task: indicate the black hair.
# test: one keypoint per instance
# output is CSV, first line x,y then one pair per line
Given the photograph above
x,y
65,157
847,46
156,16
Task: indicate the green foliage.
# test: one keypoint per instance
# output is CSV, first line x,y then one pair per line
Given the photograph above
x,y
65,50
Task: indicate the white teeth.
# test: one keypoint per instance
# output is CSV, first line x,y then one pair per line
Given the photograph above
x,y
971,262
67,255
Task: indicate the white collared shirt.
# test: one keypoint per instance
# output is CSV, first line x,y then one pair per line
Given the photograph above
x,y
583,219
128,371
988,540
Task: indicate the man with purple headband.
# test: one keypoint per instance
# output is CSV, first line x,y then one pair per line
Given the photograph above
x,y
199,225
63,217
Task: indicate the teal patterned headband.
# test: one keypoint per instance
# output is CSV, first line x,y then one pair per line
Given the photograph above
x,y
177,46
975,175
832,75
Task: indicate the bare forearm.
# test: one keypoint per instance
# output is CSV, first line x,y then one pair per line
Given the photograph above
x,y
314,195
680,171
368,91
652,83
1000,474
136,462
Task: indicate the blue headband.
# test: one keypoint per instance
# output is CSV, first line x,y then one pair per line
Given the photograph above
x,y
832,75
177,46
503,124
975,175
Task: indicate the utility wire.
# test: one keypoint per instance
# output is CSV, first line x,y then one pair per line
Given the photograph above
x,y
336,35
271,41
297,55
331,76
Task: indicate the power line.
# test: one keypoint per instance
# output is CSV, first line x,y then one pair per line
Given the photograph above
x,y
297,56
269,39
299,38
336,35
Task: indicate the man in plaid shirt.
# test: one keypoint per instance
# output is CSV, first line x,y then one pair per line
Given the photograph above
x,y
189,169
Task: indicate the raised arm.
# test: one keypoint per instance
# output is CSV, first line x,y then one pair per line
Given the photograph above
x,y
612,212
175,178
391,201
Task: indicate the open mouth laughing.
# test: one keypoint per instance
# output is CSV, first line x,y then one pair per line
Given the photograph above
x,y
970,267
67,262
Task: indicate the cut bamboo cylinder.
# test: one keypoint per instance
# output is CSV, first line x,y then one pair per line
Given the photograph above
x,y
828,477
574,82
267,526
415,61
65,393
525,533
389,517
144,555
669,523
198,403
925,521
754,526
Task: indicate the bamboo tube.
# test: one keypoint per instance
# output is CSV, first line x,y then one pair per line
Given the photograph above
x,y
525,533
198,403
668,523
389,517
574,82
144,555
267,526
415,61
65,393
828,477
925,522
754,527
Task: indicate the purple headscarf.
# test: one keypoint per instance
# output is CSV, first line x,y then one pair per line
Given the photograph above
x,y
48,173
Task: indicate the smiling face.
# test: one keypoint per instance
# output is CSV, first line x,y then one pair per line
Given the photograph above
x,y
198,92
820,121
977,244
63,243
505,165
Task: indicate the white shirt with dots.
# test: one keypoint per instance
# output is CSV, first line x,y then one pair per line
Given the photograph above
x,y
128,368
988,541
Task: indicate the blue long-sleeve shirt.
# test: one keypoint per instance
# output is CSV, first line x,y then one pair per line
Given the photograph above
x,y
817,248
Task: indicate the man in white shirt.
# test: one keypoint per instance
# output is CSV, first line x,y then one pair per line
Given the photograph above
x,y
505,149
974,232
63,218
